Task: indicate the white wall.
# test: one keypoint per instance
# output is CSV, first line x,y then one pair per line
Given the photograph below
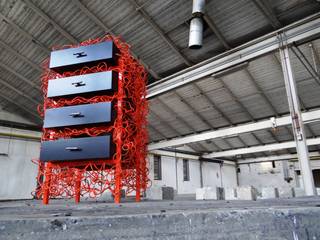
x,y
17,172
172,174
263,175
187,187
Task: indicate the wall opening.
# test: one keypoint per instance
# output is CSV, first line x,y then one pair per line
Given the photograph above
x,y
186,172
157,167
316,177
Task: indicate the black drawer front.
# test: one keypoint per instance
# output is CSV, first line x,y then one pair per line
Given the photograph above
x,y
82,84
77,149
78,115
75,58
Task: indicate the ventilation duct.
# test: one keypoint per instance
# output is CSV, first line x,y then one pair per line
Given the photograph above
x,y
196,24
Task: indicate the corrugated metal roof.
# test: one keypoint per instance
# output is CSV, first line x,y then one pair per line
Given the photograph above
x,y
208,104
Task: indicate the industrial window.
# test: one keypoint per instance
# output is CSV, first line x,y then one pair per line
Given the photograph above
x,y
157,167
186,175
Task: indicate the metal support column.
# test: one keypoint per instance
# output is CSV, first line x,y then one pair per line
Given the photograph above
x,y
297,124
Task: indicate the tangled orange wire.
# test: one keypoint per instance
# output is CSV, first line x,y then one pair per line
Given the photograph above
x,y
129,132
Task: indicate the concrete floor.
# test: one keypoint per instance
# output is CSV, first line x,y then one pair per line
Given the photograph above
x,y
296,218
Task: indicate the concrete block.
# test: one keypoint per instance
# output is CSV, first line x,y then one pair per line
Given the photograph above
x,y
318,191
106,196
285,192
246,193
269,192
200,193
299,192
220,193
154,193
230,194
167,193
207,193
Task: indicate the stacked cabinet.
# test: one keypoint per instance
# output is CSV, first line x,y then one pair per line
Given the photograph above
x,y
92,94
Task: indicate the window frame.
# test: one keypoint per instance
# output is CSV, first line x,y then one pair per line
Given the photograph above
x,y
186,170
157,172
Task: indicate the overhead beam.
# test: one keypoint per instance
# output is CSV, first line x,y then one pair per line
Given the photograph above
x,y
306,28
184,155
213,27
267,11
19,92
315,58
21,31
20,133
106,29
8,48
48,19
19,76
159,31
282,157
264,148
233,131
179,118
23,108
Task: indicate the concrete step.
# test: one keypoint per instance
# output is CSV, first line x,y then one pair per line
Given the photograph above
x,y
222,220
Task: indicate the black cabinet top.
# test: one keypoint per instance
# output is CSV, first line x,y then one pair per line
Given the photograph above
x,y
71,59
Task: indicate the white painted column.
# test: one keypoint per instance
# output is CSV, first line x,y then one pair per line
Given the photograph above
x,y
297,124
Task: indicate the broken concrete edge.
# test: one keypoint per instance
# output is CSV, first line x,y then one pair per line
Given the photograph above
x,y
191,223
231,211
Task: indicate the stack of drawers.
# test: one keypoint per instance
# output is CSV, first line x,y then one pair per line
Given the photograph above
x,y
83,115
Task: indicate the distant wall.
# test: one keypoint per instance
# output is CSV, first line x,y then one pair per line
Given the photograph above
x,y
212,174
17,172
265,175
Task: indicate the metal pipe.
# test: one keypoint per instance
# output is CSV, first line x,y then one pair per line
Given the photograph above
x,y
196,24
23,136
198,7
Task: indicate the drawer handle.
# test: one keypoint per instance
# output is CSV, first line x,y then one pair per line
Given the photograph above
x,y
78,84
73,148
80,54
76,114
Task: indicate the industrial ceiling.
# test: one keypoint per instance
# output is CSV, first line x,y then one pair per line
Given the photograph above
x,y
158,34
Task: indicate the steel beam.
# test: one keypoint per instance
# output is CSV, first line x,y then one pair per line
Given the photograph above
x,y
106,29
232,131
315,58
156,131
216,31
20,56
167,108
267,11
48,19
23,108
160,32
198,115
306,28
282,157
264,148
24,33
297,122
19,76
19,92
183,155
305,62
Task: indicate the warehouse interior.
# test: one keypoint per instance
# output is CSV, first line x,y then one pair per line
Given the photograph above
x,y
238,110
